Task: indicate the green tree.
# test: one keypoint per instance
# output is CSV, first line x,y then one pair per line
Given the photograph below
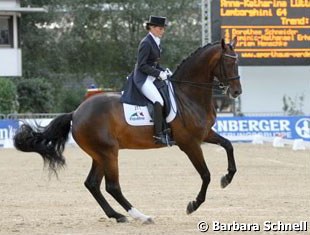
x,y
70,99
100,38
35,96
294,106
96,41
8,96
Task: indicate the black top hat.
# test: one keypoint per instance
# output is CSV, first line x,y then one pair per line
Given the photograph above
x,y
157,21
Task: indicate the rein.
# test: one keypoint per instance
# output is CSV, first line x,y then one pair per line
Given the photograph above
x,y
204,85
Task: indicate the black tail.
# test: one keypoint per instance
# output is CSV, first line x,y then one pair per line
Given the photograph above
x,y
48,141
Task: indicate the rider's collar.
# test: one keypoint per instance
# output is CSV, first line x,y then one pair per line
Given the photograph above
x,y
156,39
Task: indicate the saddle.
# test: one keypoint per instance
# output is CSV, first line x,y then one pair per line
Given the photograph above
x,y
144,115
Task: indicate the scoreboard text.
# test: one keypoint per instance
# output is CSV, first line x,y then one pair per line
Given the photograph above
x,y
270,32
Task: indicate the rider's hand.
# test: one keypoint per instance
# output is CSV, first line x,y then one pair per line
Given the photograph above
x,y
163,75
168,72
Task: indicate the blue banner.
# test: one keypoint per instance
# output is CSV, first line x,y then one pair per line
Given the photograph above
x,y
289,127
8,128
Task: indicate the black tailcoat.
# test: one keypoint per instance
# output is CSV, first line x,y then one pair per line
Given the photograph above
x,y
147,64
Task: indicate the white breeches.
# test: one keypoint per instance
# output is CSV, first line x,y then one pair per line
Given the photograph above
x,y
151,92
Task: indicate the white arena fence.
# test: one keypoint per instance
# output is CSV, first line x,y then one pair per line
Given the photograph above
x,y
281,131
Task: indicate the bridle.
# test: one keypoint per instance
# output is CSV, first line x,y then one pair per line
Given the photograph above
x,y
222,85
223,71
224,82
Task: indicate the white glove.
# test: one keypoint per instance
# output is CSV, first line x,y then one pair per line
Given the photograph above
x,y
162,75
168,72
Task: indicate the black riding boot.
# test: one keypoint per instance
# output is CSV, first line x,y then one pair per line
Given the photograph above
x,y
160,137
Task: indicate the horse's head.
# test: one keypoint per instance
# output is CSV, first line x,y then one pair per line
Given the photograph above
x,y
227,68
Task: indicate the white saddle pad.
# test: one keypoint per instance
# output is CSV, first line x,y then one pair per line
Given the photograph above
x,y
139,115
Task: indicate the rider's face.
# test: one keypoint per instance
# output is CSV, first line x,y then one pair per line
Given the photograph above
x,y
157,31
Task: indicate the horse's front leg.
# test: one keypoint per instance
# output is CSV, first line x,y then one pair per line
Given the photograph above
x,y
215,138
195,155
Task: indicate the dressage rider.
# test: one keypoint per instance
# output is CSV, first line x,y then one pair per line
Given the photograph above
x,y
140,86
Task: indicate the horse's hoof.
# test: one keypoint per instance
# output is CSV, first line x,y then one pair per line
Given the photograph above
x,y
149,221
224,182
190,208
122,219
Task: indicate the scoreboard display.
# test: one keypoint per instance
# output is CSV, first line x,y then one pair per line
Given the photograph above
x,y
270,32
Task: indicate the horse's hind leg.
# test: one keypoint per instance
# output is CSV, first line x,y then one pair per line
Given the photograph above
x,y
92,183
215,138
113,187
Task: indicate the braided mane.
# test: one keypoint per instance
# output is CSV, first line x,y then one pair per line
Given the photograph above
x,y
191,56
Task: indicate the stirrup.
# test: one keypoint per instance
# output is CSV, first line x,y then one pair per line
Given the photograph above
x,y
163,139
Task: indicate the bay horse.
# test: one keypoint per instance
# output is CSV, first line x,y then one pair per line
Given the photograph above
x,y
98,126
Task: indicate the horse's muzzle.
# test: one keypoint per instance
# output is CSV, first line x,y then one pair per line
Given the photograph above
x,y
235,92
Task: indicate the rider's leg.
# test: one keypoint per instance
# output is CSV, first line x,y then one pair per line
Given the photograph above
x,y
160,137
151,92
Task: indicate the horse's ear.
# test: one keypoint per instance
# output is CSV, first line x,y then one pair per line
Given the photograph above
x,y
233,43
223,44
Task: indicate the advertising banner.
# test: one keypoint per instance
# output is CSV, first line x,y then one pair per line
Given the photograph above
x,y
289,127
8,128
233,128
